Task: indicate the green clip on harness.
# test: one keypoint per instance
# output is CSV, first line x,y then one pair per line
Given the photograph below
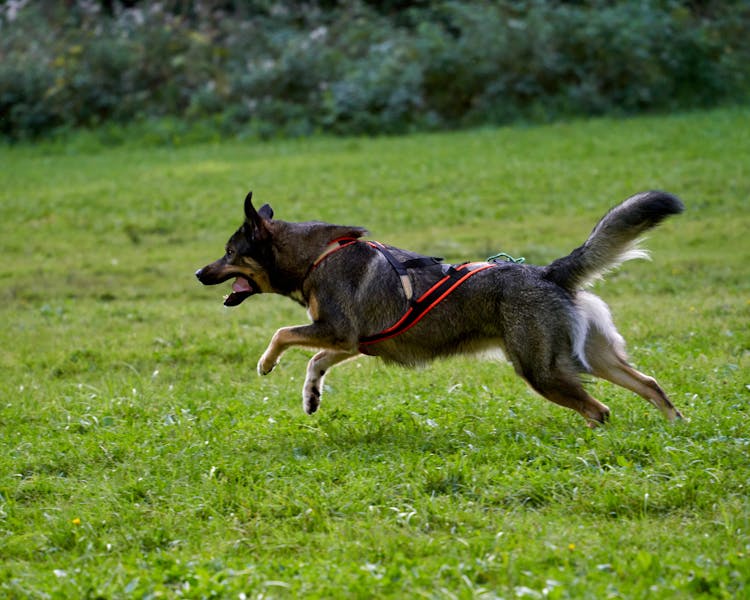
x,y
507,257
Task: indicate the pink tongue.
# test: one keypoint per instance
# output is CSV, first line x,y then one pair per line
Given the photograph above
x,y
241,285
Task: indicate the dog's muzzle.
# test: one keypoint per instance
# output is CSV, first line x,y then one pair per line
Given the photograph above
x,y
242,287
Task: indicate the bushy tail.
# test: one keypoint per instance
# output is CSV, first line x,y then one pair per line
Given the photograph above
x,y
614,239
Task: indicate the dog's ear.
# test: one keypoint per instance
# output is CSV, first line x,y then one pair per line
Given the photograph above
x,y
256,219
252,215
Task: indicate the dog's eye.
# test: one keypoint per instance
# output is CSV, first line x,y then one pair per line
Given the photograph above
x,y
230,253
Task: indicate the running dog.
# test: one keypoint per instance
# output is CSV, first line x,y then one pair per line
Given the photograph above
x,y
364,297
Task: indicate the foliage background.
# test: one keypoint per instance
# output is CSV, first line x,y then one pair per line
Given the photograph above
x,y
261,67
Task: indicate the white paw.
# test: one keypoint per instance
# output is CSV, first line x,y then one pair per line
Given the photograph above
x,y
265,365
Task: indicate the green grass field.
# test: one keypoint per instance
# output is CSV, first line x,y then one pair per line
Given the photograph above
x,y
142,457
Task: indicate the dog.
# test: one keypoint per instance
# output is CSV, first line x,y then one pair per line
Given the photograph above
x,y
364,297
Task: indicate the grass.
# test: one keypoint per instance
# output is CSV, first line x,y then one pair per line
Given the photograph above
x,y
141,456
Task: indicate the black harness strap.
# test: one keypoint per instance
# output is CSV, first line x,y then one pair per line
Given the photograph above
x,y
425,261
395,263
402,267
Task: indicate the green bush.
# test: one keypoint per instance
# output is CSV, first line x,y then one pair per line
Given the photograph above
x,y
364,67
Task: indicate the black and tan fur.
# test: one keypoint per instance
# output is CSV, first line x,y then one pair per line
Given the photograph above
x,y
540,317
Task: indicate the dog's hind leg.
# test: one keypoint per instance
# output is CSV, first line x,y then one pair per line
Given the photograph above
x,y
609,363
316,370
542,354
604,352
570,393
564,387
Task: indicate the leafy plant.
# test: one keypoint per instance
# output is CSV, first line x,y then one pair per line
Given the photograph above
x,y
287,68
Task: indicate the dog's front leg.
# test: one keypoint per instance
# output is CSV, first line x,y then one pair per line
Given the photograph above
x,y
316,335
316,370
281,340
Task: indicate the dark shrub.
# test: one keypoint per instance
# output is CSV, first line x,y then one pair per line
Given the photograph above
x,y
294,68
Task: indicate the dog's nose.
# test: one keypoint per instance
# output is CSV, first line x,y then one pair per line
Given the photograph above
x,y
198,273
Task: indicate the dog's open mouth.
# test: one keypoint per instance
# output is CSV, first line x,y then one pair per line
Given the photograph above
x,y
241,288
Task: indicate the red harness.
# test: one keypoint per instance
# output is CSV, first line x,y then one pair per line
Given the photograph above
x,y
334,246
419,308
454,277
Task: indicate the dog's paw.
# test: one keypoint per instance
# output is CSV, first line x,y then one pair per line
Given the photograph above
x,y
674,414
596,418
679,417
310,399
266,365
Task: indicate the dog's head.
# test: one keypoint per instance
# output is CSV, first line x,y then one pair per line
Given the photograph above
x,y
247,257
270,255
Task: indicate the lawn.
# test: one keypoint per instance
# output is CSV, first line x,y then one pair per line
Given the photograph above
x,y
142,457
